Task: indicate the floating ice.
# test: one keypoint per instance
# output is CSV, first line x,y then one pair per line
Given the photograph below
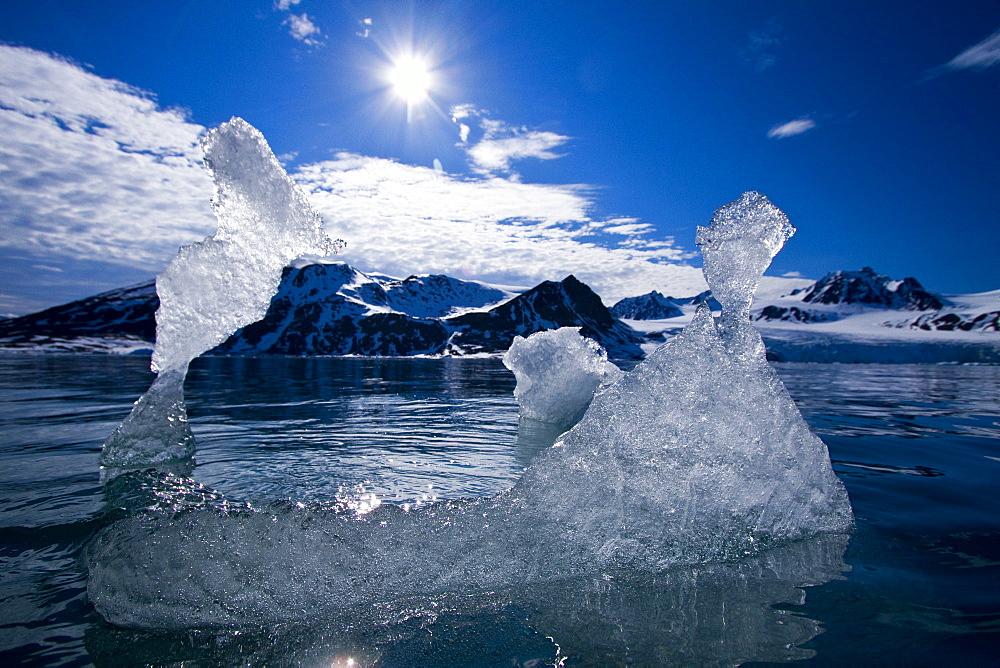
x,y
557,373
697,456
215,286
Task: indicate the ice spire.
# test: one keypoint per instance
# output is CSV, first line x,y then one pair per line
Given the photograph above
x,y
215,286
737,247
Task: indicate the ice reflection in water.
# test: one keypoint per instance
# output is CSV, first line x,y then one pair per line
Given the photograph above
x,y
713,614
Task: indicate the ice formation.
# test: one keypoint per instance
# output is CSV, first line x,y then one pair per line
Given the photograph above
x,y
697,456
213,287
557,373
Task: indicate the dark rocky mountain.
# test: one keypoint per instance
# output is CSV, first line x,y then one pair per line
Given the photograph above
x,y
125,313
333,309
841,294
650,306
949,322
654,306
866,287
549,305
792,314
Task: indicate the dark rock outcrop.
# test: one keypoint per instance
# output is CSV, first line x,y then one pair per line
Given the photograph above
x,y
650,306
549,305
866,287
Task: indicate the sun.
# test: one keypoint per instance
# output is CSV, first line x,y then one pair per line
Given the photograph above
x,y
411,80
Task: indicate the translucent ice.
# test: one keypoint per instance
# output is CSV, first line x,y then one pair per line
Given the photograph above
x,y
699,453
215,286
696,456
557,373
738,246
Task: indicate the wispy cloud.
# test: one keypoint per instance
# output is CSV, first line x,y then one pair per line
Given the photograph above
x,y
496,155
978,56
501,144
366,28
285,5
93,167
402,219
791,128
761,50
98,176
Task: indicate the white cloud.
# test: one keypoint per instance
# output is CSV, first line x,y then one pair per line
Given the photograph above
x,y
501,144
495,155
93,167
627,227
366,28
401,219
285,5
791,128
94,174
979,56
301,27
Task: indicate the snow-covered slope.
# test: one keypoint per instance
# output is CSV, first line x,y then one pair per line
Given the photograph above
x,y
862,316
119,320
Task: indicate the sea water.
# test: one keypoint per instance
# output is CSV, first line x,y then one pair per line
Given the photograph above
x,y
918,448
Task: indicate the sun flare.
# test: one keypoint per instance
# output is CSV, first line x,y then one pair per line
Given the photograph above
x,y
411,79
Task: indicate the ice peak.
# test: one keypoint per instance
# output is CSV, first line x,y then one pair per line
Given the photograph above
x,y
215,286
738,246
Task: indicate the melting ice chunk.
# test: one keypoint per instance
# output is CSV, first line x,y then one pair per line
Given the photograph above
x,y
216,286
698,455
557,373
738,246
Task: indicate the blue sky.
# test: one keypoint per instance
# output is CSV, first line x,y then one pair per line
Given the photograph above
x,y
586,137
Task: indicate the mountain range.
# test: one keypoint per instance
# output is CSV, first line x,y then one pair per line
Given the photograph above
x,y
331,308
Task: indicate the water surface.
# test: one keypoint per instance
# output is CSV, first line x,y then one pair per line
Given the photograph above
x,y
917,446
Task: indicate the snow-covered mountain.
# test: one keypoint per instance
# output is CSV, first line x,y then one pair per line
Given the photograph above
x,y
842,293
863,316
650,306
654,306
330,308
119,319
866,297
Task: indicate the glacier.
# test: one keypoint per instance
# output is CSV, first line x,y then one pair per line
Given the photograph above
x,y
696,456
